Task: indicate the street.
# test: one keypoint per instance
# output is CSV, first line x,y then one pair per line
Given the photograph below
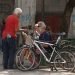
x,y
34,72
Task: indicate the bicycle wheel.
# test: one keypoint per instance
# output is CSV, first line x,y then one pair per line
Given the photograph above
x,y
27,58
65,42
17,60
68,65
37,60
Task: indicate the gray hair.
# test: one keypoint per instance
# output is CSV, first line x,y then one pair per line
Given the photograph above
x,y
17,11
41,24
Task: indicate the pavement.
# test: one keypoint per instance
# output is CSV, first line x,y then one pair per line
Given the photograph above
x,y
45,71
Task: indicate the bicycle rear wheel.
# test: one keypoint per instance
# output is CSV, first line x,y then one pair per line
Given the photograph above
x,y
66,66
27,58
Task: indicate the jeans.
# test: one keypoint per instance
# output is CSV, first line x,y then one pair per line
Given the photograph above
x,y
9,50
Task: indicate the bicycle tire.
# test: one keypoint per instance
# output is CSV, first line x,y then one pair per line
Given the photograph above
x,y
65,42
17,60
70,63
27,58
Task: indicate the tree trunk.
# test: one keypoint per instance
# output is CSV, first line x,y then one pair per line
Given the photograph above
x,y
66,16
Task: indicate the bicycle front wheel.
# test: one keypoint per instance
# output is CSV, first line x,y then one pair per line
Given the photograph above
x,y
17,60
68,65
27,58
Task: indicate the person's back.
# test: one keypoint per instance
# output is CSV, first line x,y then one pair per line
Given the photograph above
x,y
10,26
45,36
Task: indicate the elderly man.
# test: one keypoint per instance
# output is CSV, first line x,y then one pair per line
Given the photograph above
x,y
9,38
44,36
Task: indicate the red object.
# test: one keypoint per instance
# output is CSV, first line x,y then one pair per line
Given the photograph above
x,y
12,22
53,22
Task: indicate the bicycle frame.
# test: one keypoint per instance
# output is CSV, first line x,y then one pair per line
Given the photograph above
x,y
53,48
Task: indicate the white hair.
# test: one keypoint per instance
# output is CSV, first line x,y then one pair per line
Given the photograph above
x,y
17,11
41,24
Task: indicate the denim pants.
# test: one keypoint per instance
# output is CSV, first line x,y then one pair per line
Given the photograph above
x,y
9,50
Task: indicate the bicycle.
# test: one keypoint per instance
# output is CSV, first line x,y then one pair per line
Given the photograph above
x,y
59,61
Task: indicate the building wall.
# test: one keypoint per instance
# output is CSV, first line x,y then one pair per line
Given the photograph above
x,y
51,5
29,10
55,5
52,11
32,8
6,8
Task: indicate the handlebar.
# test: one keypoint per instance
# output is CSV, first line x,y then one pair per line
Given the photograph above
x,y
59,34
21,29
59,37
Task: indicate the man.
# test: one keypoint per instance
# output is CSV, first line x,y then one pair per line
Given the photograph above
x,y
44,36
9,38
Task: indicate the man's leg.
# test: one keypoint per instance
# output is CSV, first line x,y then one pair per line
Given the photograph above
x,y
12,51
5,53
